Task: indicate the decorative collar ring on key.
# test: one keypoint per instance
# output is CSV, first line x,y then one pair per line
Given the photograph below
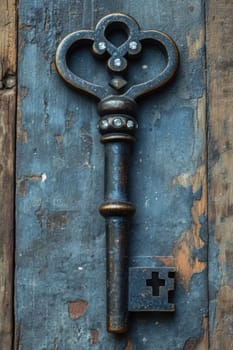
x,y
117,57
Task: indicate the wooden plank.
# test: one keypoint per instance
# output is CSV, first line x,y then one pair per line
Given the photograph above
x,y
7,157
60,253
220,111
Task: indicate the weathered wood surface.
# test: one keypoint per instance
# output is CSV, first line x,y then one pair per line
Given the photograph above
x,y
60,250
220,113
7,153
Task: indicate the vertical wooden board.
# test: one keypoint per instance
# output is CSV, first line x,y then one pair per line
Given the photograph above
x,y
60,256
220,110
7,157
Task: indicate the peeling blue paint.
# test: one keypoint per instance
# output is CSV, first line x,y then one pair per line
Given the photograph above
x,y
58,261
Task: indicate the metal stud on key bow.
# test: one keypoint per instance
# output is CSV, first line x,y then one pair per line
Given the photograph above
x,y
117,109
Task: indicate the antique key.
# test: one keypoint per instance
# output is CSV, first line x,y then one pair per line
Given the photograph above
x,y
117,108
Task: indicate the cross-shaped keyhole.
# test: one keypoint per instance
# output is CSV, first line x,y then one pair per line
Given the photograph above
x,y
155,282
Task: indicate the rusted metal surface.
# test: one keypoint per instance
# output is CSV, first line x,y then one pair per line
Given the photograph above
x,y
118,129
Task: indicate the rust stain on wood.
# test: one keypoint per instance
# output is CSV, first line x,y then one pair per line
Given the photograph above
x,y
199,343
220,67
77,308
190,241
94,337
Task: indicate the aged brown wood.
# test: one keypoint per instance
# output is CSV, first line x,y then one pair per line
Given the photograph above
x,y
220,70
7,150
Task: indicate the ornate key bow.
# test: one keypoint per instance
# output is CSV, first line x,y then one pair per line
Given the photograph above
x,y
117,108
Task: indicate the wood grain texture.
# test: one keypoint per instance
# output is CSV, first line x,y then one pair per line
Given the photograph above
x,y
7,156
60,252
220,70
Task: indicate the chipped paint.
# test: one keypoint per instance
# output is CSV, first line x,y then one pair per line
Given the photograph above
x,y
74,254
187,263
69,119
195,44
201,342
57,221
166,260
22,183
23,91
56,343
77,308
24,26
59,138
94,337
21,133
43,177
200,119
183,180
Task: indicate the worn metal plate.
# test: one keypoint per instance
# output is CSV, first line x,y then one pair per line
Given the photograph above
x,y
60,241
150,289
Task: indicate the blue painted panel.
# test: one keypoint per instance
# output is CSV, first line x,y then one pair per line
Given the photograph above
x,y
60,242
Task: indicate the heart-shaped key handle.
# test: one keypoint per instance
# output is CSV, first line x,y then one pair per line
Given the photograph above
x,y
117,56
117,108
